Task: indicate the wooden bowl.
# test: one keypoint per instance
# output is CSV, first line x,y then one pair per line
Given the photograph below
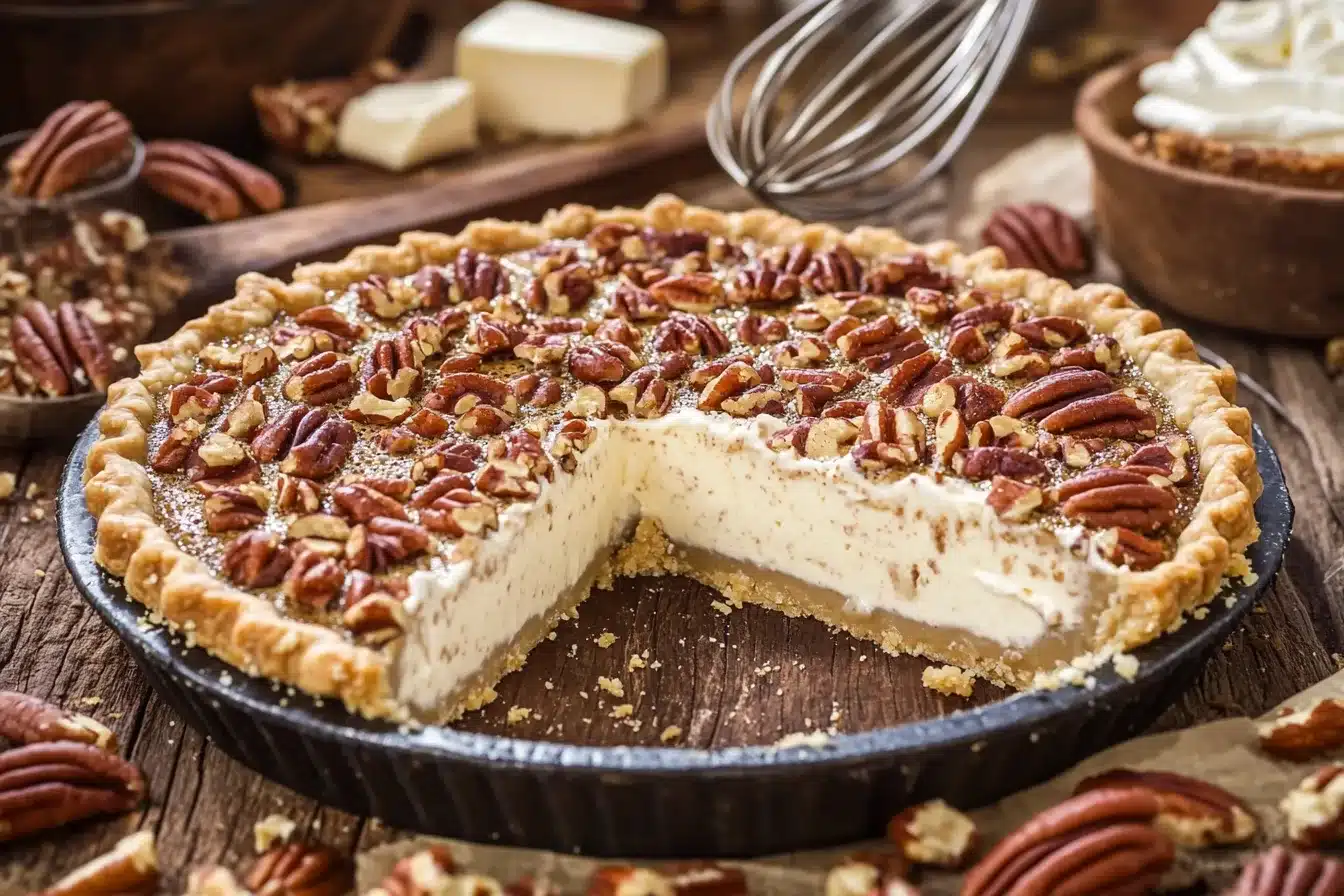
x,y
1220,249
180,68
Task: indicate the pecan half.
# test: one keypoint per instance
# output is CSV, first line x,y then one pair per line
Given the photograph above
x,y
1282,872
934,833
316,576
360,502
601,361
321,443
300,869
1112,496
765,285
633,302
627,880
1315,808
1125,547
571,438
894,276
986,463
1100,353
321,379
1193,813
131,868
1305,733
72,145
236,507
1102,841
383,542
208,180
47,785
644,393
449,454
28,720
834,271
256,560
1038,235
913,377
692,293
372,609
294,494
1113,416
490,336
1012,500
757,329
881,343
387,298
692,333
41,349
1057,391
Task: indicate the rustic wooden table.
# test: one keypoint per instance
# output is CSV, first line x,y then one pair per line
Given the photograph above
x,y
203,804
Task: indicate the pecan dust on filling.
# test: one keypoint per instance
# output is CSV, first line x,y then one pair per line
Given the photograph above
x,y
321,459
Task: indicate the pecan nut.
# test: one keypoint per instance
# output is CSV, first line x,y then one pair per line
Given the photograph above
x,y
1125,547
1305,733
360,502
41,349
1056,391
316,575
47,785
986,463
322,379
1102,841
291,869
131,868
601,361
236,507
257,559
383,542
28,720
870,873
1315,808
1193,813
692,333
320,444
1282,872
827,437
428,871
1038,235
210,181
1113,496
1013,501
72,145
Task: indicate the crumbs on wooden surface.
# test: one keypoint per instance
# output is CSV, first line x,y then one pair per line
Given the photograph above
x,y
271,830
605,640
721,607
612,686
949,680
636,662
1126,665
624,711
670,733
8,482
518,714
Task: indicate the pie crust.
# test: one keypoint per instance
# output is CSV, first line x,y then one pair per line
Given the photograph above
x,y
1194,406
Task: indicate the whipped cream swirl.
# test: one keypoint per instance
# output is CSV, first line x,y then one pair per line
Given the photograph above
x,y
1260,73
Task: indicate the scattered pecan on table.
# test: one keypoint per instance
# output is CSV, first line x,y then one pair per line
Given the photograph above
x,y
210,181
1306,733
72,145
59,770
131,868
300,117
1315,808
1038,235
1282,872
306,868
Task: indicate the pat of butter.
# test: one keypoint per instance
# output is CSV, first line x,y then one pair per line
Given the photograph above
x,y
398,126
543,70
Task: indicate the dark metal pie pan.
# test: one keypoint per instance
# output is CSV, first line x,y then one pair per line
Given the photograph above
x,y
646,801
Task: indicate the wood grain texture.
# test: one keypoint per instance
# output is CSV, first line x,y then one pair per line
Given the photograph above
x,y
203,805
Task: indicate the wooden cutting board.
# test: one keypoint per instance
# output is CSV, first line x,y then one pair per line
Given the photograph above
x,y
699,51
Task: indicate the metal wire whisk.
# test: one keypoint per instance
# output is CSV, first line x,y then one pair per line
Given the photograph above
x,y
845,90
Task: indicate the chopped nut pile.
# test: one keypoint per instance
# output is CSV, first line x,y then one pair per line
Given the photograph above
x,y
72,310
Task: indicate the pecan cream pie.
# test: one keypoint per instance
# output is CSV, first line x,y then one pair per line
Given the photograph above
x,y
388,479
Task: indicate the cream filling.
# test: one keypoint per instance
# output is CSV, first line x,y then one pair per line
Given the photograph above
x,y
930,551
1263,72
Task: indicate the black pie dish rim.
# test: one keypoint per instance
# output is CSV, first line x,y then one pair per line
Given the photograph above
x,y
329,725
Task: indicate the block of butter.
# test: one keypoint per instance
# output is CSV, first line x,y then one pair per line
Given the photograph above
x,y
540,69
398,126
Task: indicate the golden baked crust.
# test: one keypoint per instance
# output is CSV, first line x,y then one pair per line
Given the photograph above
x,y
249,632
1266,165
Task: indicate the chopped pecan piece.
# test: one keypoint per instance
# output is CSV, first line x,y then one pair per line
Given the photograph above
x,y
383,541
448,506
396,441
735,379
461,457
427,424
765,285
294,494
222,460
1051,332
889,437
131,868
1315,808
172,453
692,293
761,399
1193,813
633,302
1101,353
802,352
757,329
458,393
573,437
505,478
490,336
360,502
477,275
618,330
870,873
386,298
894,276
692,333
428,872
484,420
1125,547
1171,460
644,393
1098,842
1305,733
827,437
315,577
1012,500
256,559
934,833
968,344
369,408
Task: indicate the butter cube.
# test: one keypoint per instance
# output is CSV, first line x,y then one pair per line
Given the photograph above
x,y
544,70
398,126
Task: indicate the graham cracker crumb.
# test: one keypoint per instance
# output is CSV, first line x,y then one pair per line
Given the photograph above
x,y
635,663
8,482
1200,613
271,830
40,573
812,739
605,640
32,491
518,714
670,733
1126,665
612,686
721,607
625,710
949,680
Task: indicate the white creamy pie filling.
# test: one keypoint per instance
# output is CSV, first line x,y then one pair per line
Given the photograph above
x,y
930,551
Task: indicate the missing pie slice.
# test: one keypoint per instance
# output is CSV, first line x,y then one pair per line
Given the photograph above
x,y
386,480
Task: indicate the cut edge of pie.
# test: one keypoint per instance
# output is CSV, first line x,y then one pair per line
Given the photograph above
x,y
250,633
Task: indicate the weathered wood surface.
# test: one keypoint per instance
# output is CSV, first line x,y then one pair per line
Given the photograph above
x,y
202,804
